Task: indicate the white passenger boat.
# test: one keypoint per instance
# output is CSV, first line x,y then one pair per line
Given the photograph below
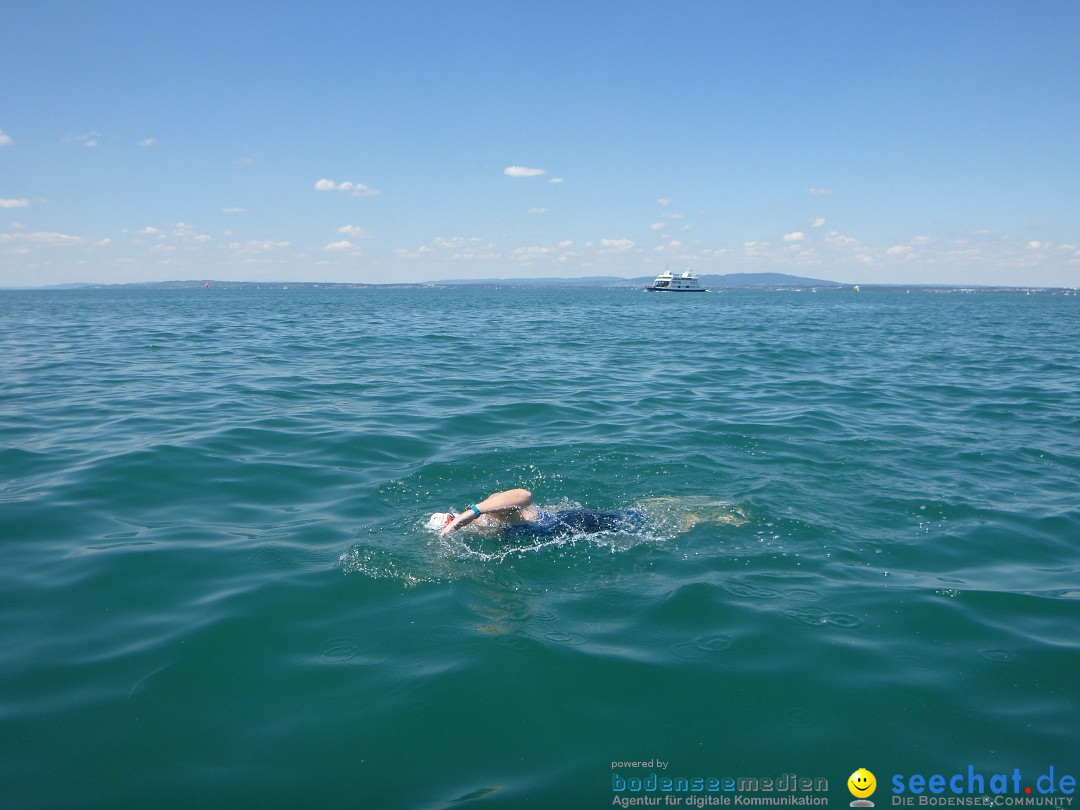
x,y
668,282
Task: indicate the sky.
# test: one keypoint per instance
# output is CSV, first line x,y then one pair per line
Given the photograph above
x,y
863,142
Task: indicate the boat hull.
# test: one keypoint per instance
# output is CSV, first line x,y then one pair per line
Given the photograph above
x,y
669,290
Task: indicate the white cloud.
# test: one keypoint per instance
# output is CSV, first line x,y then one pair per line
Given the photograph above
x,y
794,236
452,243
467,250
402,253
656,226
821,192
555,180
148,142
817,223
355,189
344,244
87,139
14,203
459,248
617,244
5,140
44,238
664,201
837,239
566,243
354,231
671,216
255,245
521,171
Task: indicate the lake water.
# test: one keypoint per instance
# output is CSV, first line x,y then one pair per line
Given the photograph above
x,y
219,590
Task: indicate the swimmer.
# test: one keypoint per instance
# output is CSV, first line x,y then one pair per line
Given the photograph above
x,y
514,513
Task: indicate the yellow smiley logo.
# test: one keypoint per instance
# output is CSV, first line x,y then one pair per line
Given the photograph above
x,y
861,783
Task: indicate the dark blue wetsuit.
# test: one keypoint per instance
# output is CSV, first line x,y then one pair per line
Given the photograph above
x,y
578,521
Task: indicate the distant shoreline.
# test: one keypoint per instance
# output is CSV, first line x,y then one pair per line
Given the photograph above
x,y
730,282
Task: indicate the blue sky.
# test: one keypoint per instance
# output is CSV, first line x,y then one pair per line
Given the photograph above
x,y
869,142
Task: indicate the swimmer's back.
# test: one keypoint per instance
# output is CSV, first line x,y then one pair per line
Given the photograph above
x,y
578,521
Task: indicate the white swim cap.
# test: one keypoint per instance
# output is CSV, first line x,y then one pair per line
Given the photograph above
x,y
439,520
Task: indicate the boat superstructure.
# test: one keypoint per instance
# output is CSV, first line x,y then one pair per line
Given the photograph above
x,y
669,282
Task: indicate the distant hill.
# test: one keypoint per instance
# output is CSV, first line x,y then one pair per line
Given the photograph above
x,y
586,281
731,281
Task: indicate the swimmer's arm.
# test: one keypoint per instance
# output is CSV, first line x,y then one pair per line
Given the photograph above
x,y
508,501
512,500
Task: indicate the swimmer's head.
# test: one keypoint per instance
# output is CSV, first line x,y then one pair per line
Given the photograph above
x,y
440,520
